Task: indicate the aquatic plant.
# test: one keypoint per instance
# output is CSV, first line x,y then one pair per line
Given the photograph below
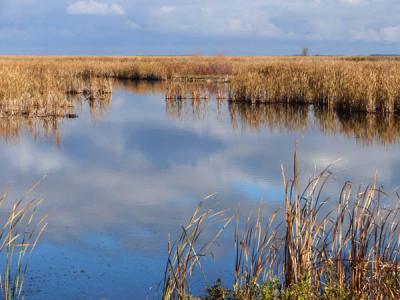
x,y
39,85
321,248
185,253
19,234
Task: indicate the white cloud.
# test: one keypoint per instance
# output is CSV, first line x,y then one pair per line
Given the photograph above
x,y
215,20
132,24
352,2
386,34
95,8
27,156
92,7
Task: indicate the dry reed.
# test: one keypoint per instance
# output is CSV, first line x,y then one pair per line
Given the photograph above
x,y
37,85
19,234
185,253
324,248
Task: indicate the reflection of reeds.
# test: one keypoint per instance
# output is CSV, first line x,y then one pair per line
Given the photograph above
x,y
363,127
348,252
12,127
367,128
256,116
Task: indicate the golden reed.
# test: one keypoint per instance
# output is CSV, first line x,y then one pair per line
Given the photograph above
x,y
39,85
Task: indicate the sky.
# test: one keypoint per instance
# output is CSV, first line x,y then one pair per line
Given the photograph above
x,y
155,27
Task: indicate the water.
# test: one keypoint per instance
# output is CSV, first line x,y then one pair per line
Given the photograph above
x,y
120,180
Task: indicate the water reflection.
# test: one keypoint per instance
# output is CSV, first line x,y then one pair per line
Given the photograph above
x,y
11,128
48,127
122,182
367,128
364,128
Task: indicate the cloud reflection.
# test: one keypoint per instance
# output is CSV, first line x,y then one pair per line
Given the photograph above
x,y
121,183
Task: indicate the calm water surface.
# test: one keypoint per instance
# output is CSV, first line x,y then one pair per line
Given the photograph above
x,y
120,179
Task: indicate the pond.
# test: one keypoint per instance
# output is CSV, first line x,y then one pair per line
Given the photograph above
x,y
121,178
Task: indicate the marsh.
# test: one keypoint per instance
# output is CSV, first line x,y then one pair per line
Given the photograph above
x,y
121,179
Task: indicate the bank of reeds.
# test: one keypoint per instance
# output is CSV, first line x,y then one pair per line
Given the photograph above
x,y
341,85
38,85
37,95
318,247
43,89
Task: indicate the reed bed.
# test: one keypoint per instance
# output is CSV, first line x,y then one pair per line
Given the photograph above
x,y
341,85
43,89
317,247
37,85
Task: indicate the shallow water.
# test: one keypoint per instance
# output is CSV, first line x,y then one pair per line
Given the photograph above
x,y
120,179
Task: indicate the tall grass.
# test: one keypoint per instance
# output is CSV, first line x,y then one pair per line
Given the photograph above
x,y
19,234
185,253
319,246
37,86
43,89
341,85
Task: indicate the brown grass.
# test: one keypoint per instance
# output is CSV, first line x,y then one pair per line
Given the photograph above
x,y
341,85
19,235
345,247
38,85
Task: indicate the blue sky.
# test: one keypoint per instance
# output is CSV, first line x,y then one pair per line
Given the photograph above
x,y
253,27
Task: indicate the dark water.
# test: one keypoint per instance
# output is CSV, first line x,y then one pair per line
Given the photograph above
x,y
123,176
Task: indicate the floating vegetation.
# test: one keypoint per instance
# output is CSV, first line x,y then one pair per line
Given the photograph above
x,y
317,247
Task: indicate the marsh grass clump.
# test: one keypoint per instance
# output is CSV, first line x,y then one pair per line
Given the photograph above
x,y
19,234
319,246
43,88
185,253
179,90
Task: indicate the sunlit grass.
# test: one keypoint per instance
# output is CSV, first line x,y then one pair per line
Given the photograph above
x,y
344,246
39,85
19,234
